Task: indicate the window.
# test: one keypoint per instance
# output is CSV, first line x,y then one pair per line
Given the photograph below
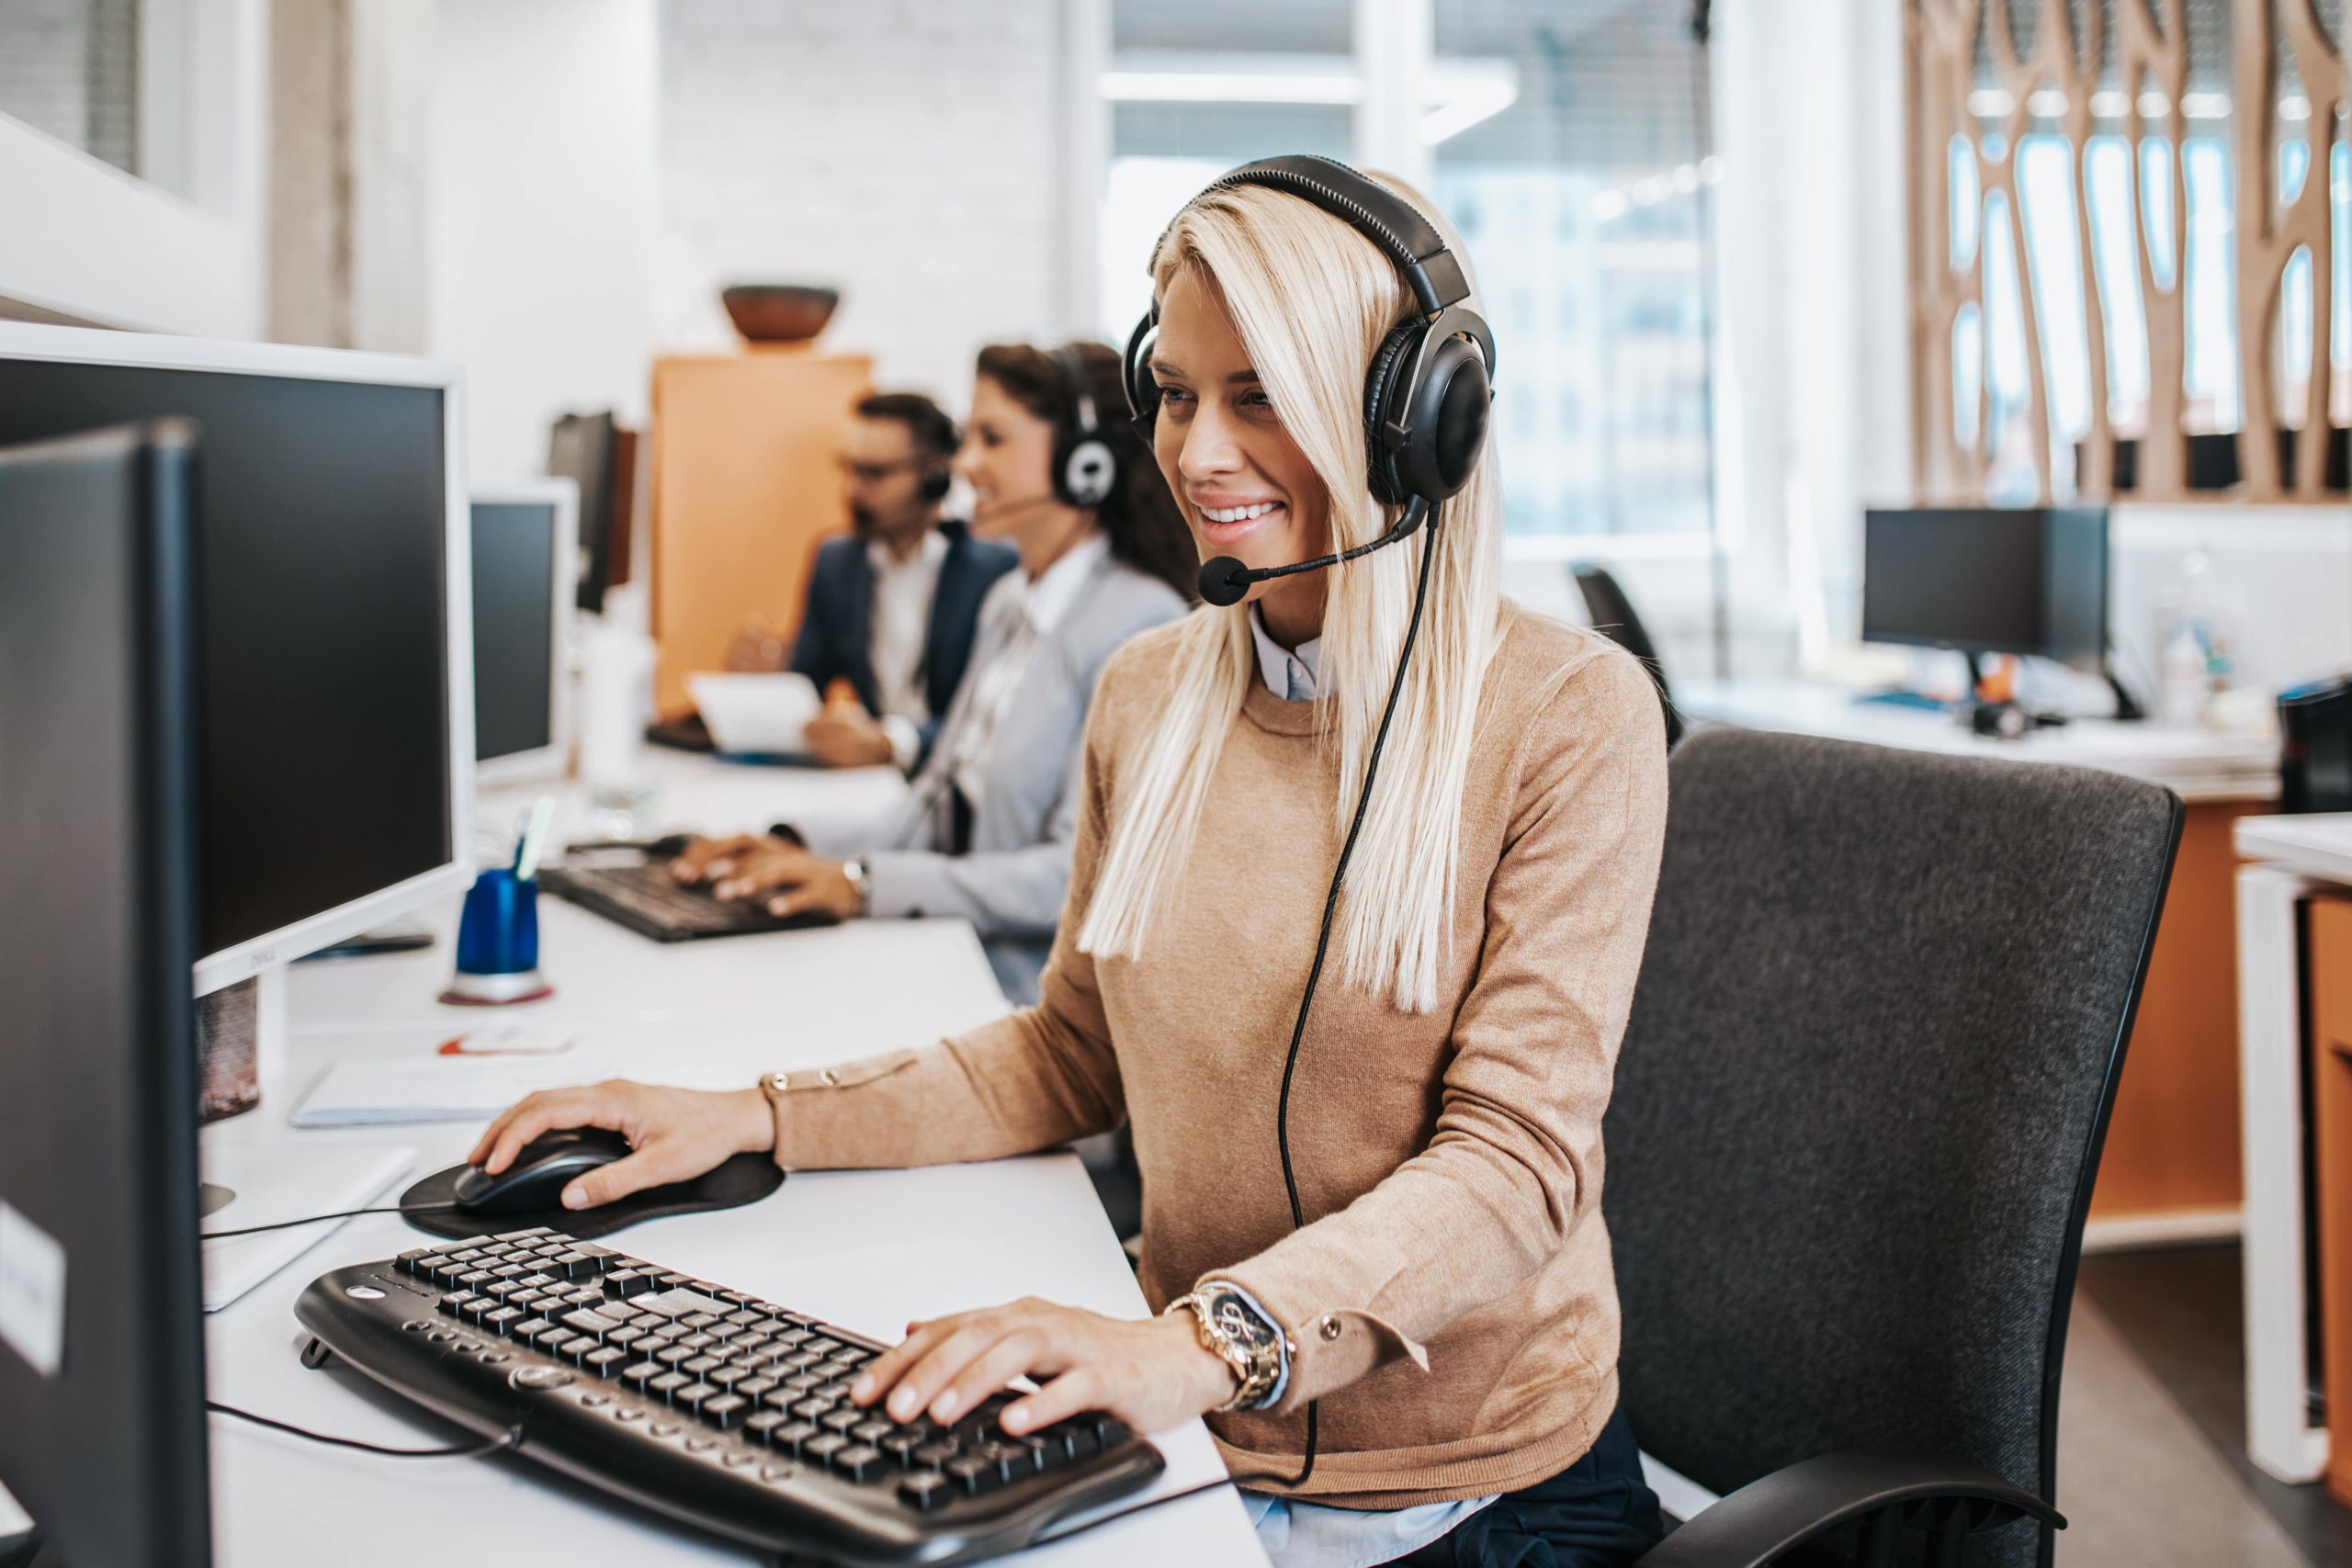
x,y
70,68
1563,138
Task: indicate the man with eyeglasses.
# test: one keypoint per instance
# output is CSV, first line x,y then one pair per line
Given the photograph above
x,y
892,608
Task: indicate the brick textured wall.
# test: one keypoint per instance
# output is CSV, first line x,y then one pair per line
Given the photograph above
x,y
903,151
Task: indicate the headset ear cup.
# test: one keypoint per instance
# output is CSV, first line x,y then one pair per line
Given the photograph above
x,y
1448,417
1085,471
1389,362
1143,391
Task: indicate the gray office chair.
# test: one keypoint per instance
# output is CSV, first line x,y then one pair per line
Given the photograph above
x,y
1611,613
1855,1122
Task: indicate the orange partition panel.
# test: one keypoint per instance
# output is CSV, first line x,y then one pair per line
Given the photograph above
x,y
746,480
2173,1144
2330,978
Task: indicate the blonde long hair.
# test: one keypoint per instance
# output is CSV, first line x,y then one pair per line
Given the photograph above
x,y
1311,299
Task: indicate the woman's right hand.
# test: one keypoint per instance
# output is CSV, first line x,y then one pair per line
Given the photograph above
x,y
674,1134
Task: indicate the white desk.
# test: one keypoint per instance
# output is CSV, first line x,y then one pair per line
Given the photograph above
x,y
2196,763
2292,857
869,1251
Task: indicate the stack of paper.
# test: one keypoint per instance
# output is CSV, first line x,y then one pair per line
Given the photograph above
x,y
401,1091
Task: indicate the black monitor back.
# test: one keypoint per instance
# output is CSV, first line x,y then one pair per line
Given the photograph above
x,y
1988,580
101,1323
583,447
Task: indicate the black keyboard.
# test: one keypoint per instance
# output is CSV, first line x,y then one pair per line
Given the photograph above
x,y
650,902
704,1403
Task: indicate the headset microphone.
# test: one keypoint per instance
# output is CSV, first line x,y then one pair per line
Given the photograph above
x,y
1224,581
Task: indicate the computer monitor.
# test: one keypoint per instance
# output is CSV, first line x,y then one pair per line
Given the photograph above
x,y
101,1338
336,766
585,450
526,552
1988,580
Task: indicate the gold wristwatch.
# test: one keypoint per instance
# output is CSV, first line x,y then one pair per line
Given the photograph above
x,y
1237,1334
861,881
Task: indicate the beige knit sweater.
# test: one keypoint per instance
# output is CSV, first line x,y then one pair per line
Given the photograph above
x,y
1450,1299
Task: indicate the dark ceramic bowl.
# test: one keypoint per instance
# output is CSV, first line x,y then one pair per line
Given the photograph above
x,y
779,312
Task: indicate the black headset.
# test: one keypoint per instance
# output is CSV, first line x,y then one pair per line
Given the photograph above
x,y
1431,382
938,478
1086,470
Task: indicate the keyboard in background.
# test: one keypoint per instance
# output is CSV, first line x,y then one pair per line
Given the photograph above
x,y
705,1404
648,901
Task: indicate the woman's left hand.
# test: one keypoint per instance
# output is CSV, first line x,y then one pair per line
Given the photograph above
x,y
1152,1375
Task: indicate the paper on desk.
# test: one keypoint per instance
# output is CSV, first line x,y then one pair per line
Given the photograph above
x,y
401,1090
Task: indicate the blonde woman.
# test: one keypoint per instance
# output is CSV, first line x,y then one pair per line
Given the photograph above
x,y
1372,1216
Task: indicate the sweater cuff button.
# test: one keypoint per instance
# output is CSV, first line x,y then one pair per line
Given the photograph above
x,y
1330,1328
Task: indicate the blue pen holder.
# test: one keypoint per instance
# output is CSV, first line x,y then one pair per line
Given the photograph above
x,y
498,943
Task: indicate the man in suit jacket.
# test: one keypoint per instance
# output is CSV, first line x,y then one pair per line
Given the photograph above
x,y
893,608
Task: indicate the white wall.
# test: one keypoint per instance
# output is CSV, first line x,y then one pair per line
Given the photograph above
x,y
542,215
907,152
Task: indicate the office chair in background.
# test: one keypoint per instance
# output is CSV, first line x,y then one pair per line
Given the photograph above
x,y
1856,1119
1612,616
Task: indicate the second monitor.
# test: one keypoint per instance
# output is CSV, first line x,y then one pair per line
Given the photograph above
x,y
525,555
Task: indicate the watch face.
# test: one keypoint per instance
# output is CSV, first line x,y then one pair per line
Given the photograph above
x,y
1234,1318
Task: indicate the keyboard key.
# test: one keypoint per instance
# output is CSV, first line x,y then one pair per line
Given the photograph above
x,y
570,1349
898,1443
604,1362
842,1420
620,1311
593,1324
531,1235
667,1384
794,1436
638,1374
502,1318
584,1298
724,1410
455,1302
727,1377
692,1395
699,1364
925,1491
624,1337
811,1409
1014,1457
758,1427
860,1463
623,1283
744,1319
697,1341
755,1388
938,1454
824,1446
972,1473
671,1354
474,1278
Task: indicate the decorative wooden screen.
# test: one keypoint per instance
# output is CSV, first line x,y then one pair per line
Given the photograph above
x,y
1986,76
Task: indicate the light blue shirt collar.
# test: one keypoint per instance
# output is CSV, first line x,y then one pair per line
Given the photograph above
x,y
1289,674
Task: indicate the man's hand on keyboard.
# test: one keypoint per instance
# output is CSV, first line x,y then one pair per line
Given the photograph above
x,y
674,1134
1152,1375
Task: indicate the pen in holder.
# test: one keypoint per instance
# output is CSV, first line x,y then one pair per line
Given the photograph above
x,y
498,943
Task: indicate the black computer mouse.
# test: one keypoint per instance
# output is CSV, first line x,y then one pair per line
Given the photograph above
x,y
540,1172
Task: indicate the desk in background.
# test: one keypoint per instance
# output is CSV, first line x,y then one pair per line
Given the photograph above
x,y
867,1249
2172,1168
2295,898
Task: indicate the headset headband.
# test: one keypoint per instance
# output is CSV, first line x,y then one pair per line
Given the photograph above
x,y
1379,214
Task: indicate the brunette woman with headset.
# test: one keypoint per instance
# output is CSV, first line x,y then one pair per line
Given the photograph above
x,y
986,830
1371,1217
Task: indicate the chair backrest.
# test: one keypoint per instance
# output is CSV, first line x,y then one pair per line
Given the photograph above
x,y
1612,616
1860,1099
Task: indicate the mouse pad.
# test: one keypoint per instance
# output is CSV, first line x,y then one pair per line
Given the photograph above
x,y
743,1179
